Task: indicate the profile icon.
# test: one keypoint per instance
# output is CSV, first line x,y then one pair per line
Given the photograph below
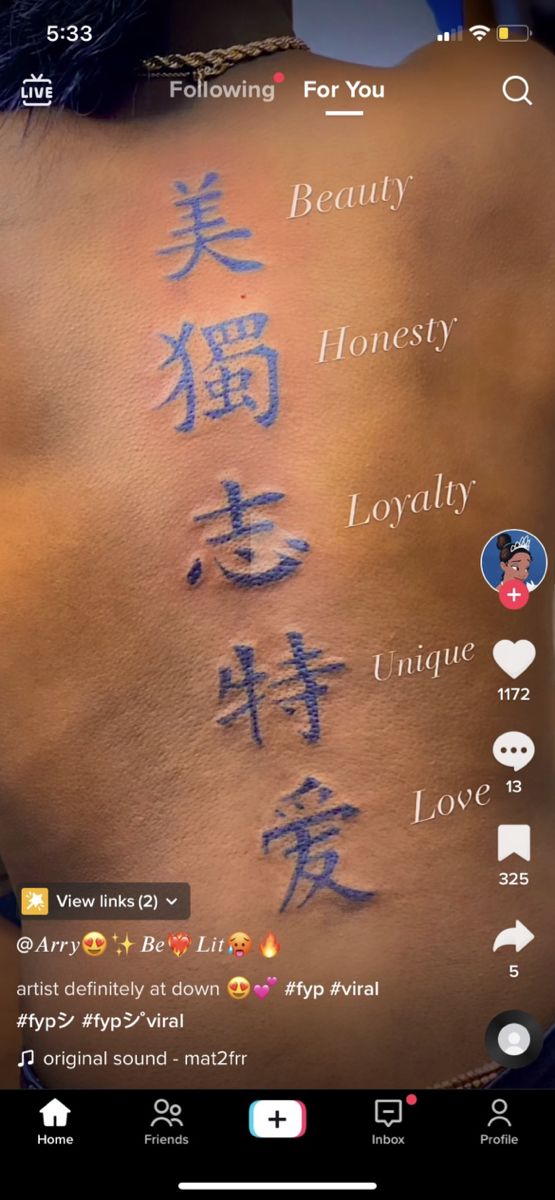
x,y
499,1109
514,563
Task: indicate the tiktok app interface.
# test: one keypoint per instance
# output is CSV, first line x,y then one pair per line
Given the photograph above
x,y
276,824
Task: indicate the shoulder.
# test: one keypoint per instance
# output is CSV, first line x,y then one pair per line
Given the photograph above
x,y
474,140
466,79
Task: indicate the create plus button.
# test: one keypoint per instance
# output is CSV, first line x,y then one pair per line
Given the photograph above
x,y
277,1118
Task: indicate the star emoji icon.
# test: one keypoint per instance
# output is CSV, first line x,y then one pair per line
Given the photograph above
x,y
126,945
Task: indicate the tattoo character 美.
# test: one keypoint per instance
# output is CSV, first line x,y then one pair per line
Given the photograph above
x,y
201,230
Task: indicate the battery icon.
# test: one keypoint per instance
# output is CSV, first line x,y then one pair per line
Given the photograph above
x,y
513,33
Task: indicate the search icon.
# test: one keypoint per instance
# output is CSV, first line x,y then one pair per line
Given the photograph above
x,y
523,91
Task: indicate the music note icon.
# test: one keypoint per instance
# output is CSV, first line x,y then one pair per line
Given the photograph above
x,y
27,1058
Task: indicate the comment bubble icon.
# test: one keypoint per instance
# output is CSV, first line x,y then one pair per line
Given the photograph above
x,y
388,1112
515,750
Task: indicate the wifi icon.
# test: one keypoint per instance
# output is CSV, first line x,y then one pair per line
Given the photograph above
x,y
479,32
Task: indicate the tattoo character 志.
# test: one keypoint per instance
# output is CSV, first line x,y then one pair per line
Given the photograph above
x,y
249,566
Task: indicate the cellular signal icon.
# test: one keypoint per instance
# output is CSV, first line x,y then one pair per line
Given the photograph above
x,y
453,35
479,32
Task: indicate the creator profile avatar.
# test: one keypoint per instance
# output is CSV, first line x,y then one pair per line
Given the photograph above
x,y
514,556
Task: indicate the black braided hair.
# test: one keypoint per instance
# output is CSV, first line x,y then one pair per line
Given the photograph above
x,y
92,77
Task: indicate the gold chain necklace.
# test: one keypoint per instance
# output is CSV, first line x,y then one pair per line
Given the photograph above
x,y
473,1079
214,62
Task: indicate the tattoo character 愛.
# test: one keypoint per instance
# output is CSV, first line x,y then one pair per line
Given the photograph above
x,y
310,822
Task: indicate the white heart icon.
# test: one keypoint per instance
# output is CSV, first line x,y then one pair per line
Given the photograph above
x,y
514,657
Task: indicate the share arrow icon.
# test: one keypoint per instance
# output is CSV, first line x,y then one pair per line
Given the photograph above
x,y
518,936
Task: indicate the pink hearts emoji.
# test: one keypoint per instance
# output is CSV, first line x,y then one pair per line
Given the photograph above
x,y
261,990
271,980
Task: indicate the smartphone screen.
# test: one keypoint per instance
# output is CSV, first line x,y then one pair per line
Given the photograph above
x,y
276,731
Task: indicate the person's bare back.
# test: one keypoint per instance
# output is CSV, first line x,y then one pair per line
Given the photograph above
x,y
124,627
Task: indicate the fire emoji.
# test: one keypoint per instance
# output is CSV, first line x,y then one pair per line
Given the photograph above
x,y
270,946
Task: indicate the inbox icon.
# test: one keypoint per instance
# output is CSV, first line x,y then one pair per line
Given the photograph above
x,y
388,1112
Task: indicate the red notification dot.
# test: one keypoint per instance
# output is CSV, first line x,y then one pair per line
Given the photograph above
x,y
279,77
411,1098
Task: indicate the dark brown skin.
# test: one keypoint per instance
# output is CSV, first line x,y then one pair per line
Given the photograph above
x,y
112,765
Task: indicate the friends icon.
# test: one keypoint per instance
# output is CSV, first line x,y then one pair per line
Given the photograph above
x,y
514,563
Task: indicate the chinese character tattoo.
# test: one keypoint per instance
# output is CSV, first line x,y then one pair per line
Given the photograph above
x,y
299,689
201,231
185,387
306,672
242,372
246,684
240,386
249,565
310,822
